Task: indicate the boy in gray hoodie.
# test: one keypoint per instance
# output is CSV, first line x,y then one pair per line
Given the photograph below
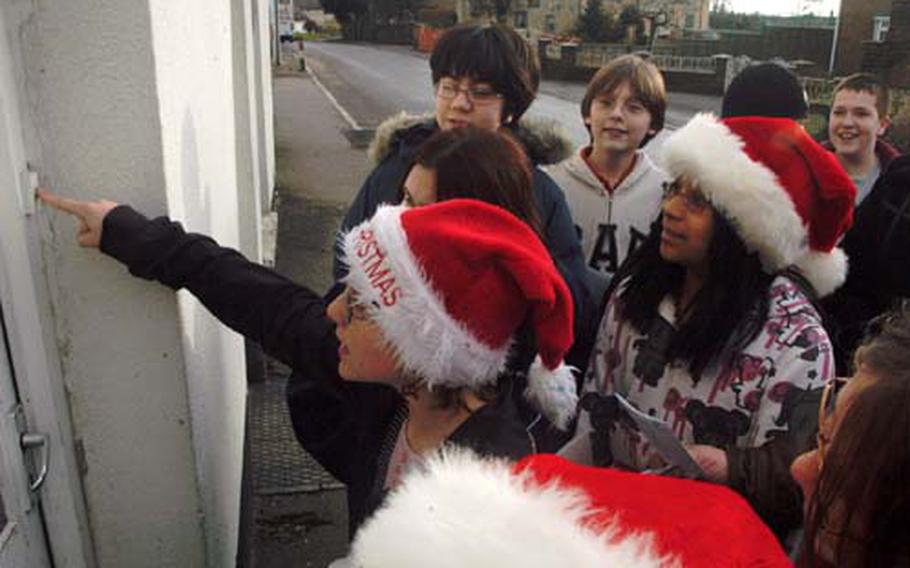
x,y
612,187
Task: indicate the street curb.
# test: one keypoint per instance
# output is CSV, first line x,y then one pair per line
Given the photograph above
x,y
341,110
358,136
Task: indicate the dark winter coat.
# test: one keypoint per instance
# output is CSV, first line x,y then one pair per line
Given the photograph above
x,y
878,246
393,150
350,428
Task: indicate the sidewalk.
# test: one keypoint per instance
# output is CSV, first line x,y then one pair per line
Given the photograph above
x,y
298,511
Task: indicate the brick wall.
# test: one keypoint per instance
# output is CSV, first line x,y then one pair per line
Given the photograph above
x,y
855,28
898,44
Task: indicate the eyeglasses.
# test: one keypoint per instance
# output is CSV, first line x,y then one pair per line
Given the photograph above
x,y
354,309
825,412
695,201
479,96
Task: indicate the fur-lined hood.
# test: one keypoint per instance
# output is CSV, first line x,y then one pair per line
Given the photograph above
x,y
545,140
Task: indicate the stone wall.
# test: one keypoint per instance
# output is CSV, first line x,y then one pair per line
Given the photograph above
x,y
568,62
788,43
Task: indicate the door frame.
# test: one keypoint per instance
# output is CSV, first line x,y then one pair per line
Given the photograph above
x,y
26,301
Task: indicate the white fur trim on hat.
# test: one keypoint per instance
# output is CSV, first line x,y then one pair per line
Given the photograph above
x,y
462,511
746,192
426,340
554,392
825,270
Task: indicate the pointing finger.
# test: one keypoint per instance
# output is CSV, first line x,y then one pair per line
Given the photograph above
x,y
72,206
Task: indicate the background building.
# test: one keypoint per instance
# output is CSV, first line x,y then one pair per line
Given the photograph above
x,y
860,21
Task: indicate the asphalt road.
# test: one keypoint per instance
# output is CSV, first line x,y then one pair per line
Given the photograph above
x,y
373,81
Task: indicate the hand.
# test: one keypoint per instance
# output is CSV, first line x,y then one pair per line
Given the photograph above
x,y
713,461
91,215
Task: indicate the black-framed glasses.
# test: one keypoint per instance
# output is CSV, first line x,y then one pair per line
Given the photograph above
x,y
476,95
355,309
695,201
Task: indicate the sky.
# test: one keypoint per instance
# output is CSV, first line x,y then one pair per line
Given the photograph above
x,y
785,7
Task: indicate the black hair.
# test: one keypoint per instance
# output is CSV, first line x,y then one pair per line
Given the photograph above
x,y
728,311
492,54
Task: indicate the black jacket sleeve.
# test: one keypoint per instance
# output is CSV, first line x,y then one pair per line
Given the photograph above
x,y
287,319
333,419
878,246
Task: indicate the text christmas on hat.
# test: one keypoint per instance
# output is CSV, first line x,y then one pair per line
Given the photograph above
x,y
451,283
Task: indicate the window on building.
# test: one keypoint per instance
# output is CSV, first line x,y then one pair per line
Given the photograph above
x,y
550,23
533,3
880,25
521,19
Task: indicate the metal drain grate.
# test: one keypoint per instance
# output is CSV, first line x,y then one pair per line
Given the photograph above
x,y
279,465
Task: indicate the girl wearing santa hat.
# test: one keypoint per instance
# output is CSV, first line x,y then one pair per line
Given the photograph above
x,y
711,326
414,353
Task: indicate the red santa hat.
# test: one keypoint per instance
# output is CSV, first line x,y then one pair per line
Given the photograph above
x,y
449,285
788,198
548,512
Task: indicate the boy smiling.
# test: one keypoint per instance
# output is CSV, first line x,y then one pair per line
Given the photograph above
x,y
612,187
859,116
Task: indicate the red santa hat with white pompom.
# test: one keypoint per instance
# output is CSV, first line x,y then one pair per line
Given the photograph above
x,y
788,199
460,510
449,284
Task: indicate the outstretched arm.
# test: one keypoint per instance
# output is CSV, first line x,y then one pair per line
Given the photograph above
x,y
333,419
286,318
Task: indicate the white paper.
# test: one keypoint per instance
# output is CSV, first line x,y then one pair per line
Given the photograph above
x,y
663,439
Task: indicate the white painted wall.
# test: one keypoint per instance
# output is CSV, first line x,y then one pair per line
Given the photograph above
x,y
146,102
263,73
194,61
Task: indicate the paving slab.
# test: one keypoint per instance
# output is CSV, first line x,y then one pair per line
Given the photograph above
x,y
298,511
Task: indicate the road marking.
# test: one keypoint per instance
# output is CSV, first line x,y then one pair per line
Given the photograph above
x,y
344,114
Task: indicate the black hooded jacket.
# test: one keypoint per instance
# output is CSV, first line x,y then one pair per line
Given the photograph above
x,y
878,246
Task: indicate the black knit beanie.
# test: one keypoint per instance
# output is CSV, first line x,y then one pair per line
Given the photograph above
x,y
766,89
